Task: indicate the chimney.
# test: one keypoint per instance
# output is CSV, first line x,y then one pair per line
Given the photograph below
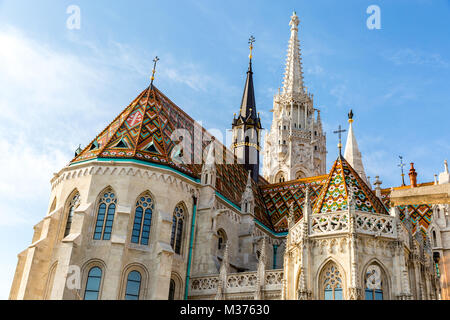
x,y
413,176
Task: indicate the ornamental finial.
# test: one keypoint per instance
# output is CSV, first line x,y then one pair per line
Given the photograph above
x,y
251,41
350,116
154,70
294,21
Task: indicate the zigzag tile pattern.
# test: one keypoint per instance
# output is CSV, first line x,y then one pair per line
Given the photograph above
x,y
341,181
420,215
279,198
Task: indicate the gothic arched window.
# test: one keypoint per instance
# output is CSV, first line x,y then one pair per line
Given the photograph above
x,y
434,238
105,215
72,206
172,290
133,286
373,283
93,284
222,239
142,220
177,228
331,283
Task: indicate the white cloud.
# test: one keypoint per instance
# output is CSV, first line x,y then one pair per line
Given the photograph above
x,y
315,70
48,100
416,57
339,92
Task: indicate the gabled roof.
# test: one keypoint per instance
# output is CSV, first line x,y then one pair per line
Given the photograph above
x,y
341,181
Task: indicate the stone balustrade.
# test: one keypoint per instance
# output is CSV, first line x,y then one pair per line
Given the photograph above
x,y
373,224
339,223
329,223
243,283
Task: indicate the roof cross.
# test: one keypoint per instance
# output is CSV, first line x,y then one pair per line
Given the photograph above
x,y
251,41
154,70
339,132
402,165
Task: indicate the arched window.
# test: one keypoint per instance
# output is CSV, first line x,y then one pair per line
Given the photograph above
x,y
177,228
105,216
434,238
172,290
93,284
142,220
374,283
222,239
299,175
280,177
72,206
133,286
331,283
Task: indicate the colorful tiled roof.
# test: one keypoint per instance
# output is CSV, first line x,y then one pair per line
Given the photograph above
x,y
420,215
278,199
342,180
143,131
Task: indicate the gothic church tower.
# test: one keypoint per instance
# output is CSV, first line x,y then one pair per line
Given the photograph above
x,y
295,146
247,126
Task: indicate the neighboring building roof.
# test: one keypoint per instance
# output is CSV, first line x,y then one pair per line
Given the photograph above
x,y
420,214
341,181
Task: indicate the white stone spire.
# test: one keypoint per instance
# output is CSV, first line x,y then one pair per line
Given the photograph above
x,y
444,177
352,154
293,76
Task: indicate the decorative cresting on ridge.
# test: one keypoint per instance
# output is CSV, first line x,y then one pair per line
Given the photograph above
x,y
293,76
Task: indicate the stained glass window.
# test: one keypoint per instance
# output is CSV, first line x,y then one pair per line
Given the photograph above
x,y
72,206
133,286
93,284
172,290
332,283
373,283
142,220
105,216
177,228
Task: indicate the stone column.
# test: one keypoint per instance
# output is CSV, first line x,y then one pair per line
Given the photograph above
x,y
354,292
160,277
303,291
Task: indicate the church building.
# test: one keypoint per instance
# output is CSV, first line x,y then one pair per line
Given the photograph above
x,y
154,207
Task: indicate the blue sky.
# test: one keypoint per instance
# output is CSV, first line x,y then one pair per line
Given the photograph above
x,y
60,87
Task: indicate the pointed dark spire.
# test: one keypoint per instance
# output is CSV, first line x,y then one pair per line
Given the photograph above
x,y
248,103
